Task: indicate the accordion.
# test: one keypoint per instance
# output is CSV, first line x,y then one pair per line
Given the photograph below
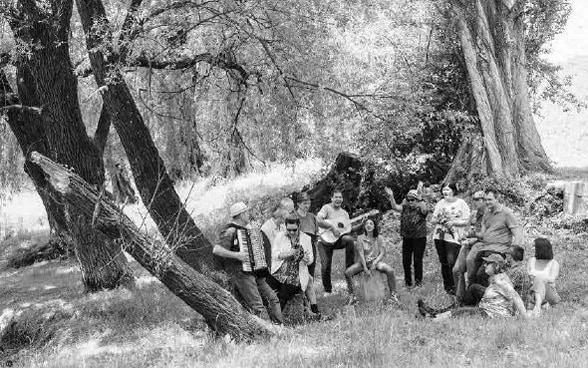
x,y
251,242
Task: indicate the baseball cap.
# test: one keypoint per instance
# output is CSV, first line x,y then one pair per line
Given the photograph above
x,y
238,208
413,194
494,258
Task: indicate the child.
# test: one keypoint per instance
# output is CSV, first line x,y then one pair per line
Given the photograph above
x,y
499,299
371,251
543,269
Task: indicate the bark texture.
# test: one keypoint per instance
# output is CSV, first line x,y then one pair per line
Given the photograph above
x,y
151,177
220,309
52,122
491,34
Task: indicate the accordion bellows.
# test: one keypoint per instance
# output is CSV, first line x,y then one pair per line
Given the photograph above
x,y
251,242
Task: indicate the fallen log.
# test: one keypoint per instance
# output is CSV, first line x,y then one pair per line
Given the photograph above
x,y
219,308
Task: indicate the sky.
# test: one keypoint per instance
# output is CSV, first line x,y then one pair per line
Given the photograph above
x,y
564,134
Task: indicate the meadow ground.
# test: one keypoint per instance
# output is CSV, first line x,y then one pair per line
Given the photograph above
x,y
60,326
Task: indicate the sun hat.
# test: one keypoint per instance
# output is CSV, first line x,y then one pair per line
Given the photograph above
x,y
495,258
413,194
237,209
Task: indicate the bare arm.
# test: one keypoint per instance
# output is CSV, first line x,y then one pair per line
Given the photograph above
x,y
359,249
395,206
218,250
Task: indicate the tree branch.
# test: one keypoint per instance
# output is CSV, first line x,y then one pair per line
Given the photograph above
x,y
102,130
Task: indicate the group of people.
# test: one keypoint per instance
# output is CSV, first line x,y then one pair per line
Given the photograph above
x,y
465,240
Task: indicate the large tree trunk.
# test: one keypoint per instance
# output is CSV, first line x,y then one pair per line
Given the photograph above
x,y
220,309
153,182
492,39
46,80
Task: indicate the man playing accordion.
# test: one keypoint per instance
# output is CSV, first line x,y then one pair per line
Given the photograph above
x,y
247,280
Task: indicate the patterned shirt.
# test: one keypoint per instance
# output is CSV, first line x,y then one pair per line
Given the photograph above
x,y
498,297
413,222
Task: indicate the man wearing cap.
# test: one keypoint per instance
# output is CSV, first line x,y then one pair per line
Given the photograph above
x,y
468,243
251,289
413,229
500,230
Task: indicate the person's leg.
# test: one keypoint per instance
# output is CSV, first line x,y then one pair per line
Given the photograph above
x,y
453,250
468,312
442,252
538,291
287,292
407,252
458,272
273,304
418,248
311,295
246,286
352,270
273,282
348,242
551,295
326,255
473,262
383,267
473,294
311,267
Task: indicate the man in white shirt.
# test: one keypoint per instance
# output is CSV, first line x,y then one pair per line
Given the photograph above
x,y
333,218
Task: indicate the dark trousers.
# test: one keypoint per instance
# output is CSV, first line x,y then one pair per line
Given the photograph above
x,y
284,292
413,250
448,253
253,291
326,253
311,267
473,294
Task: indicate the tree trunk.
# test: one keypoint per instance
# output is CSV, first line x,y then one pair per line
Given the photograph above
x,y
46,79
492,39
153,182
220,309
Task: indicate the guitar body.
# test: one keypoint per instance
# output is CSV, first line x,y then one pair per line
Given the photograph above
x,y
327,236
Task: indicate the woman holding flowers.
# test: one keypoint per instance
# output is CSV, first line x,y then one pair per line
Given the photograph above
x,y
450,217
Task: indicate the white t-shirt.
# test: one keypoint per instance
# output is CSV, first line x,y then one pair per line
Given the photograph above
x,y
454,210
271,229
329,213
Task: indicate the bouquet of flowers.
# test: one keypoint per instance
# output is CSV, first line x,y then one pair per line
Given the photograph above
x,y
443,221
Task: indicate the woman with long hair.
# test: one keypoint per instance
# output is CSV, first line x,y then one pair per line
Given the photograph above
x,y
371,251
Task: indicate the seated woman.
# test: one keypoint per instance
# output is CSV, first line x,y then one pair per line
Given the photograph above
x,y
499,299
291,255
543,270
371,251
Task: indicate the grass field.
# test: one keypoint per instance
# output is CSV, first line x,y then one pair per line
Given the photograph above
x,y
60,326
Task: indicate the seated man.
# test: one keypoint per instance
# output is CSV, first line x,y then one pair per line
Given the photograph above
x,y
250,287
291,255
500,230
334,221
498,300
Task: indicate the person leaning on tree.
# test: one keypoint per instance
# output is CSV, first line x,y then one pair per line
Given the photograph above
x,y
249,288
413,229
500,230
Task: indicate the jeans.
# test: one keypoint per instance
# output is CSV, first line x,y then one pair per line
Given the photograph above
x,y
285,292
326,253
448,253
413,250
253,290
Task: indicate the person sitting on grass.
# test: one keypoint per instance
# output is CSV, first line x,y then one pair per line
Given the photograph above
x,y
543,270
499,299
371,251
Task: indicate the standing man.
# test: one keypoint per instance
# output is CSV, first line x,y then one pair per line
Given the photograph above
x,y
250,287
334,219
500,230
308,224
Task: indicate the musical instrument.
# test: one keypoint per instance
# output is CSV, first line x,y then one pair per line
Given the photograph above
x,y
344,227
251,242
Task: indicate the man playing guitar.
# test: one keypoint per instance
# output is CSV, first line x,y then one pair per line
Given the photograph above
x,y
335,227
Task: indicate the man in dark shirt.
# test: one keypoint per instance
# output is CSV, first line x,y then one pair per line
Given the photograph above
x,y
252,289
413,229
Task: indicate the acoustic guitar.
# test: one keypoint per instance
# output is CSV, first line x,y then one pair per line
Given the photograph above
x,y
344,227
